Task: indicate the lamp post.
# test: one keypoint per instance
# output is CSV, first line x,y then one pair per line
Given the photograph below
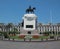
x,y
56,33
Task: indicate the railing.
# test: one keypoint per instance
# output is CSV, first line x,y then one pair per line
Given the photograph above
x,y
32,38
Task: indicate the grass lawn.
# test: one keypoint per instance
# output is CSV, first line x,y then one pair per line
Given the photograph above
x,y
41,37
28,37
15,37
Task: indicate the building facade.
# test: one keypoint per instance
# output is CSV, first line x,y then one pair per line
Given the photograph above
x,y
48,27
41,28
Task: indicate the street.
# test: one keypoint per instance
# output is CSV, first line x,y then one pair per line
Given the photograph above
x,y
29,45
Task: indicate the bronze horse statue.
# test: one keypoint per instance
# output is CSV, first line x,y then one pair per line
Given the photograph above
x,y
30,10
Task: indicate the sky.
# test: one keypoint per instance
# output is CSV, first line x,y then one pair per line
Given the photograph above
x,y
12,11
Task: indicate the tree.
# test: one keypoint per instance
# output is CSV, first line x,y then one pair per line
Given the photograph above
x,y
15,31
9,26
46,33
2,26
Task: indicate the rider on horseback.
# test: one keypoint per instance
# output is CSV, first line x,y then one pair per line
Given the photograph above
x,y
30,10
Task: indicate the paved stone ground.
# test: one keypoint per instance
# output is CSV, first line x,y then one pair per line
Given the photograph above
x,y
29,45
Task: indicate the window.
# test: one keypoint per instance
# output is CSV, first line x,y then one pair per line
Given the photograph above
x,y
29,32
29,26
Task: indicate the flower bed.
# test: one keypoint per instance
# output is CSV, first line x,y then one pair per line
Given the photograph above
x,y
36,36
12,34
45,34
22,36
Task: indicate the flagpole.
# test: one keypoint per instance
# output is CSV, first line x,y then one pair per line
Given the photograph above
x,y
51,21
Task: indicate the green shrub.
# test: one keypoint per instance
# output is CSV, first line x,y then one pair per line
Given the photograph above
x,y
6,35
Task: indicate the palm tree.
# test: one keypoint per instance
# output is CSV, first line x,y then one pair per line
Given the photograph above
x,y
9,28
2,26
15,31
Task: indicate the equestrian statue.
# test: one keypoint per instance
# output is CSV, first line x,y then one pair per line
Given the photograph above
x,y
30,10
